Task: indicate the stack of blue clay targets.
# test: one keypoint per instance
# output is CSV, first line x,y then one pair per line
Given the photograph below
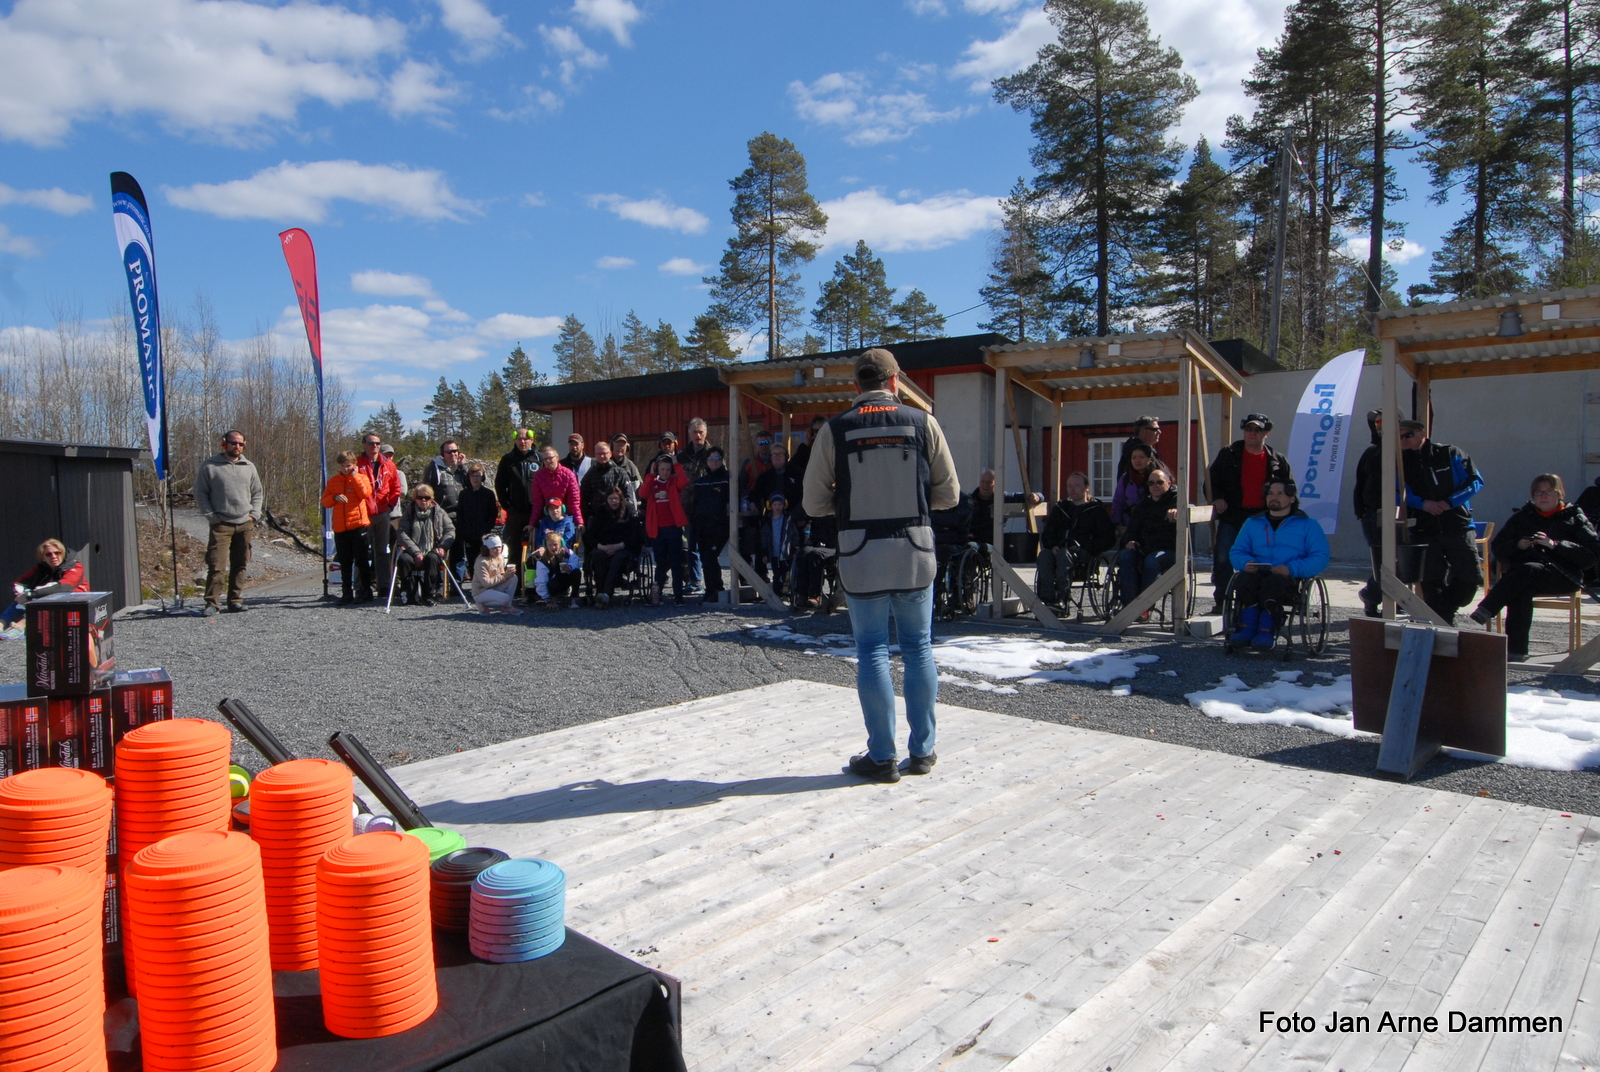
x,y
452,875
518,911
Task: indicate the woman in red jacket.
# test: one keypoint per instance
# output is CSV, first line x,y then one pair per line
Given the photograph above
x,y
58,571
664,521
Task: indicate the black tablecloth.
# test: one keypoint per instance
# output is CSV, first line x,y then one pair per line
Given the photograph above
x,y
582,1007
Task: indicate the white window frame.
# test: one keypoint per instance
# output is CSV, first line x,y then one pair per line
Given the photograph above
x,y
1103,486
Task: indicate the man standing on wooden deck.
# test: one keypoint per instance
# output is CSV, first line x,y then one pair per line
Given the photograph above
x,y
880,467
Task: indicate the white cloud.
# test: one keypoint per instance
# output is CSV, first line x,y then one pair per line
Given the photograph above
x,y
609,263
390,284
1398,251
516,326
534,200
990,7
1010,52
613,16
419,89
54,200
935,8
847,101
218,66
652,212
477,27
17,245
381,338
302,192
576,57
889,225
682,266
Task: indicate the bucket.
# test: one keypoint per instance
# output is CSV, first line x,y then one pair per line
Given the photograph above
x,y
1022,548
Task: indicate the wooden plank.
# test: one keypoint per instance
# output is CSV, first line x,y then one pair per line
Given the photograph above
x,y
763,376
1057,482
1403,751
1022,462
1580,660
1099,370
1480,321
998,456
1188,377
1065,353
1030,598
1146,599
1199,350
1532,333
1403,597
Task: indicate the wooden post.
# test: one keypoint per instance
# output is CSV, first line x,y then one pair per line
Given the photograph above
x,y
731,460
1180,591
1424,410
788,448
1022,464
1205,445
1225,415
1391,450
1055,481
1002,387
1404,750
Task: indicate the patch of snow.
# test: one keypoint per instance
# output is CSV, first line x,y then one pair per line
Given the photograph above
x,y
1280,703
1122,690
981,686
1168,673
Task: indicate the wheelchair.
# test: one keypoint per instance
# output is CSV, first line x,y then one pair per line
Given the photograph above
x,y
634,586
821,563
963,582
1110,600
1083,596
1308,616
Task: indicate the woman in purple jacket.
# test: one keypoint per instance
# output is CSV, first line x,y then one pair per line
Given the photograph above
x,y
1130,485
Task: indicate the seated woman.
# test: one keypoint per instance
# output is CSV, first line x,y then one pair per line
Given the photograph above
x,y
1151,538
615,535
1543,551
58,570
1130,485
494,580
1273,552
426,533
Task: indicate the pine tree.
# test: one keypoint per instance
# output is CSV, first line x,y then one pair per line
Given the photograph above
x,y
636,350
1018,294
386,424
775,219
1103,96
576,361
493,424
1195,239
516,374
612,364
466,408
441,417
914,319
854,306
1474,87
666,350
812,344
707,343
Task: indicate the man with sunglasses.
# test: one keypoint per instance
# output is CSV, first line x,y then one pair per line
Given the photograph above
x,y
387,490
227,490
447,475
1440,484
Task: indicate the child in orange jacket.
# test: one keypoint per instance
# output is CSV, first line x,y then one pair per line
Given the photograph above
x,y
347,494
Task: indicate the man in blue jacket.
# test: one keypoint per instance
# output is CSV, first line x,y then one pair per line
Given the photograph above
x,y
1271,555
1440,484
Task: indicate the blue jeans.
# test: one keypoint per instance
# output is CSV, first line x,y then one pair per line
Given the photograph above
x,y
691,557
668,547
1136,571
1221,565
913,619
12,615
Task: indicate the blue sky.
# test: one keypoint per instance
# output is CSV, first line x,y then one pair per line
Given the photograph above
x,y
473,170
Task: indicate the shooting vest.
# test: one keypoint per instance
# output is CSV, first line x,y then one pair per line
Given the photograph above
x,y
881,477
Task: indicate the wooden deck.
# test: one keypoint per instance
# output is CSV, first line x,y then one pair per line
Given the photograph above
x,y
1049,898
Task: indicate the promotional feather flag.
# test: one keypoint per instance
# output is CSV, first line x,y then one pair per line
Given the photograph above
x,y
130,217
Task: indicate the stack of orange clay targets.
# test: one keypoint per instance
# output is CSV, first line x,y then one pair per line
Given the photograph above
x,y
298,811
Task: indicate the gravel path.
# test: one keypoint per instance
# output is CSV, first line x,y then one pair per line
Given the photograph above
x,y
423,682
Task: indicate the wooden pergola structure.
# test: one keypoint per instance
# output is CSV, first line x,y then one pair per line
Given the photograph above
x,y
1508,335
798,385
1155,365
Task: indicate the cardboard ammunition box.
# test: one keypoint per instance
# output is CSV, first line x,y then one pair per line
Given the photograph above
x,y
24,731
69,648
139,697
66,731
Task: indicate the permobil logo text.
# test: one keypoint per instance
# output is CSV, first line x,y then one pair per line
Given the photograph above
x,y
1327,422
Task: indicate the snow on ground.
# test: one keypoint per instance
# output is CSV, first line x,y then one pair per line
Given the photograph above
x,y
1545,729
1022,660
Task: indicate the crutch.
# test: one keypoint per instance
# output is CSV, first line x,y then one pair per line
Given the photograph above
x,y
394,571
450,573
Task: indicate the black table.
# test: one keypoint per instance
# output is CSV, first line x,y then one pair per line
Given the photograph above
x,y
582,1007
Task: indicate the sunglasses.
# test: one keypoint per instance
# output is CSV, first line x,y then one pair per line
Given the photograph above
x,y
1410,435
235,443
424,498
373,442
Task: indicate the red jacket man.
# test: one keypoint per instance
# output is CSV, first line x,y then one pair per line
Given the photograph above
x,y
385,479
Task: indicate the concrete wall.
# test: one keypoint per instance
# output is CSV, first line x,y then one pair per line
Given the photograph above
x,y
561,428
964,406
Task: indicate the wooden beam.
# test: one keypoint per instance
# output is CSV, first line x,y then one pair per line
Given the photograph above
x,y
1580,660
1200,350
1140,390
1026,594
1189,376
1408,600
1100,372
1483,321
997,539
730,458
1423,410
1513,366
1146,599
738,565
1531,335
1055,481
1064,353
1390,458
1022,461
1037,386
912,394
775,376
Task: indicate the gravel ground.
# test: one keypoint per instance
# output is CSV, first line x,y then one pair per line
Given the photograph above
x,y
423,682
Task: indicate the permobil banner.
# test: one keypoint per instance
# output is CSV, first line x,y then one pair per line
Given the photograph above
x,y
1320,440
302,260
130,216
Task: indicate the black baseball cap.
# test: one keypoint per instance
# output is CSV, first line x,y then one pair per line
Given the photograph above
x,y
1260,419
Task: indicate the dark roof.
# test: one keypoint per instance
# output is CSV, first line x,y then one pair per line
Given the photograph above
x,y
912,356
72,450
1244,357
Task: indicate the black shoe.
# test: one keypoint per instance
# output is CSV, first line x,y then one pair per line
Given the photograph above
x,y
235,608
212,608
1481,617
1372,610
426,601
346,600
920,764
864,766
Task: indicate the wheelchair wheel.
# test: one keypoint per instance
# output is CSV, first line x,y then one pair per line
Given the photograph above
x,y
966,587
1314,616
1110,597
1230,615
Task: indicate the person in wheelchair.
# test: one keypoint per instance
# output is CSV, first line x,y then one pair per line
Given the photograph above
x,y
1150,541
817,560
1543,550
1076,530
952,531
1272,554
614,535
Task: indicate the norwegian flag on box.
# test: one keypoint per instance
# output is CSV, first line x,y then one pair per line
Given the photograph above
x,y
69,650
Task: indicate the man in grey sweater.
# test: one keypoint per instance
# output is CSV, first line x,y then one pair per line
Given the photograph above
x,y
227,490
